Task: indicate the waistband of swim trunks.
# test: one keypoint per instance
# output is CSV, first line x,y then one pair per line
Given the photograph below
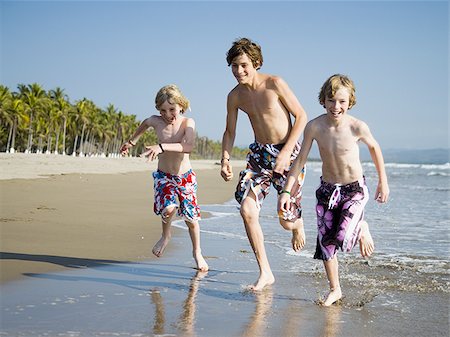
x,y
358,183
169,175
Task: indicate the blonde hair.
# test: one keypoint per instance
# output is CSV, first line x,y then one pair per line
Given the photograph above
x,y
333,84
172,94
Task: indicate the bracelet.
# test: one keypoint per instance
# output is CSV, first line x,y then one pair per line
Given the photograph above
x,y
160,146
284,191
131,143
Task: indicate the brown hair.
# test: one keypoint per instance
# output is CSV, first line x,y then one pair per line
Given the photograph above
x,y
333,84
246,46
172,94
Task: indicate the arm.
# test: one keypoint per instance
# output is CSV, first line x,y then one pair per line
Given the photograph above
x,y
284,200
228,137
382,191
185,146
294,107
135,137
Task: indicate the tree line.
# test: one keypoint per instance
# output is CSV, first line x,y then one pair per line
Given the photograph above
x,y
34,120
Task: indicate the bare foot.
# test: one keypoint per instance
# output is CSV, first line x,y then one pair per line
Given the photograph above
x,y
298,238
333,296
201,263
263,280
366,245
158,248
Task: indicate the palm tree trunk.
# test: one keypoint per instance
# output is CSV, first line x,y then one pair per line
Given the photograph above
x,y
64,137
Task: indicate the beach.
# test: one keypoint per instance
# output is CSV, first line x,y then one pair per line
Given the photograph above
x,y
76,239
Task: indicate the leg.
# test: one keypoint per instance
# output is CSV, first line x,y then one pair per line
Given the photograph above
x,y
366,245
332,270
250,215
194,232
166,219
298,233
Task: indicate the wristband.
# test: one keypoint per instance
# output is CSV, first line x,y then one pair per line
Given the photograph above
x,y
284,191
160,146
224,159
131,143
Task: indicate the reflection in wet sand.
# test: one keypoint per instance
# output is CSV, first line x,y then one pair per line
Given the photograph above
x,y
187,317
257,326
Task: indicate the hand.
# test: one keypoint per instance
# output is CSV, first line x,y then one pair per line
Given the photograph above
x,y
226,171
283,162
284,202
382,193
151,152
124,148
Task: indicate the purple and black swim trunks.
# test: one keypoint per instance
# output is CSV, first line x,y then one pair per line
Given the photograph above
x,y
340,210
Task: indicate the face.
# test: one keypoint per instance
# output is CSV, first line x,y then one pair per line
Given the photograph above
x,y
170,112
337,106
242,68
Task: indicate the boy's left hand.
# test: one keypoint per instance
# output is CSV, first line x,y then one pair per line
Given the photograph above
x,y
382,193
283,162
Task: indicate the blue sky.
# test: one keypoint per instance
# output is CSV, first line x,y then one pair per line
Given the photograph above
x,y
122,52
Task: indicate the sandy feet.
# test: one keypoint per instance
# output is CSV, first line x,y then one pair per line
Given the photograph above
x,y
158,248
298,239
366,245
333,296
263,280
201,263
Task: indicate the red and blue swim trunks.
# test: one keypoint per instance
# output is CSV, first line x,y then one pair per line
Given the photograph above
x,y
170,187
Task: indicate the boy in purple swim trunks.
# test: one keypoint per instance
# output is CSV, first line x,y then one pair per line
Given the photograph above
x,y
174,178
269,104
342,194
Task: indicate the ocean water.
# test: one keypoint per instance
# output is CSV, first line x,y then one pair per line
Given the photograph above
x,y
411,231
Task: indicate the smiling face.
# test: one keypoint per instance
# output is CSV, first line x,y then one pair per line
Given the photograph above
x,y
338,105
170,112
243,69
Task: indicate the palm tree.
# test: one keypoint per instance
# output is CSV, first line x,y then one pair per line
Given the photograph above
x,y
35,101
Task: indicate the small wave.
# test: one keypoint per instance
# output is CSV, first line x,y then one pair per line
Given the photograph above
x,y
435,173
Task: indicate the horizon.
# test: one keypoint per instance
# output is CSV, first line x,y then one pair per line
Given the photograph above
x,y
122,53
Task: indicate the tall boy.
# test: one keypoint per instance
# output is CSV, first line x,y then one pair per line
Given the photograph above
x,y
343,193
269,103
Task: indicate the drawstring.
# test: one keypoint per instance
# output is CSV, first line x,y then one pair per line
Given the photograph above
x,y
335,197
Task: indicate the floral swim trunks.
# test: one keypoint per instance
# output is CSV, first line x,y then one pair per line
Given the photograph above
x,y
168,187
259,174
340,210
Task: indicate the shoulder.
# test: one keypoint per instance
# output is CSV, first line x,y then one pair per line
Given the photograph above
x,y
188,121
359,127
274,81
233,96
150,121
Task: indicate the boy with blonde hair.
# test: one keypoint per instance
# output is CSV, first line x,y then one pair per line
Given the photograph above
x,y
174,177
342,193
269,104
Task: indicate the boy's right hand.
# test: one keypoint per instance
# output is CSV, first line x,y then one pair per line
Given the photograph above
x,y
124,148
226,171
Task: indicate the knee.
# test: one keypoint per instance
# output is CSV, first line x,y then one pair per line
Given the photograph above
x,y
169,212
192,225
248,210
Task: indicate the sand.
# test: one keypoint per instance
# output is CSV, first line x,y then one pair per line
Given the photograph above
x,y
57,207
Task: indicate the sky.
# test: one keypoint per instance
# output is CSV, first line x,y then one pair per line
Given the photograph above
x,y
123,52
